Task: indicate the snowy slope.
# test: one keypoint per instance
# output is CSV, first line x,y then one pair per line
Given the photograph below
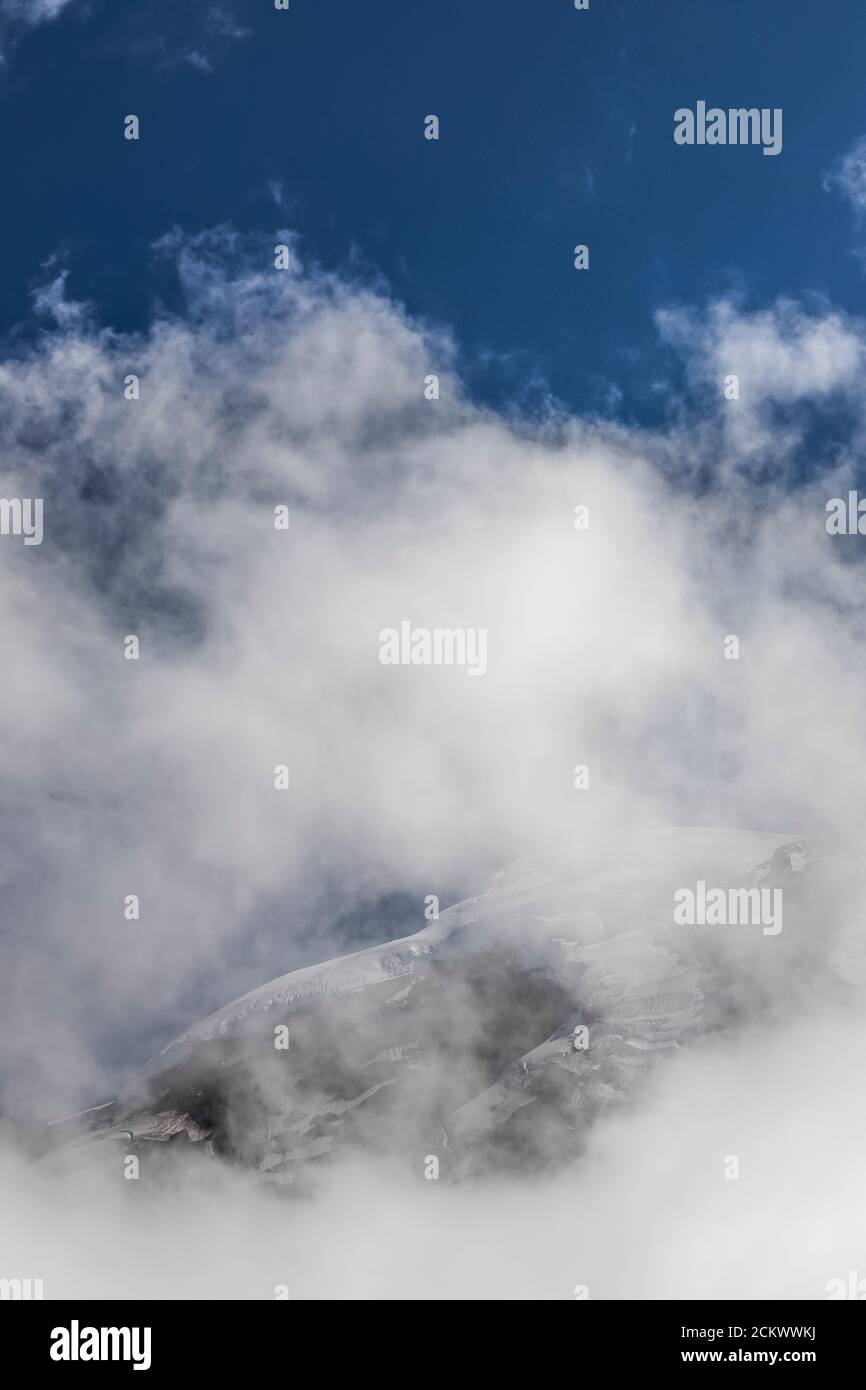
x,y
495,1034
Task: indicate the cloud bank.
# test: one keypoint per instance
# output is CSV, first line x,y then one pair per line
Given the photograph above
x,y
259,647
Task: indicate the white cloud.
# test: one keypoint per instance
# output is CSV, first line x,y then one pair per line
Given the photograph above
x,y
849,176
788,359
260,647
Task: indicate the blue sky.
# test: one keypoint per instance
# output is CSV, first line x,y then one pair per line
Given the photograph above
x,y
556,128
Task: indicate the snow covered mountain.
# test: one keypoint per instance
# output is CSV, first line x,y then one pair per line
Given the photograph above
x,y
491,1038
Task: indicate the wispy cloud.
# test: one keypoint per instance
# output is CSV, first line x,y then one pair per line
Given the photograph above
x,y
32,11
848,176
190,37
